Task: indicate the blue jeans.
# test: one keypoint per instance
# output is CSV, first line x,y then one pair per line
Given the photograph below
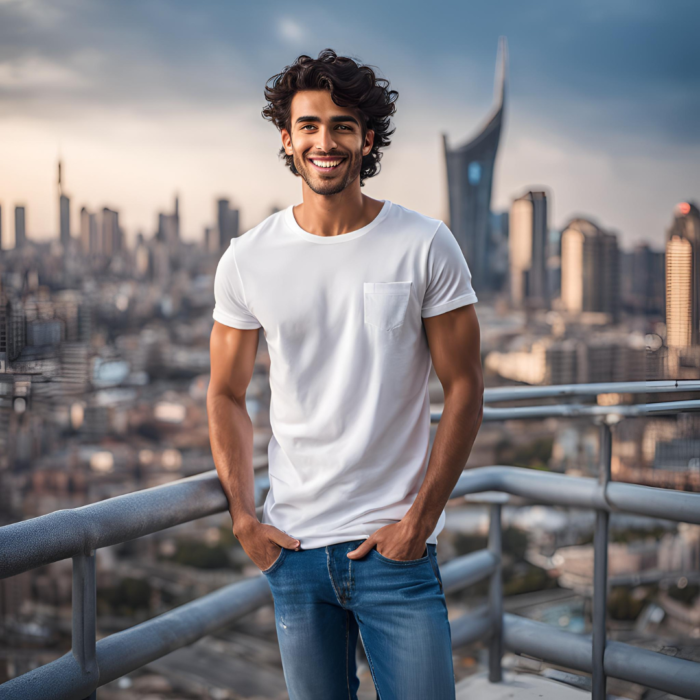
x,y
323,600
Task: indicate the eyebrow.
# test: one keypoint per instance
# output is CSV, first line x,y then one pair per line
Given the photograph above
x,y
336,119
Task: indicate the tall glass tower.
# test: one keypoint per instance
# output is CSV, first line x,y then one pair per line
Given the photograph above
x,y
683,277
469,180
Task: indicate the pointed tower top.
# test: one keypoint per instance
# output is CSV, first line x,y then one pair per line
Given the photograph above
x,y
499,88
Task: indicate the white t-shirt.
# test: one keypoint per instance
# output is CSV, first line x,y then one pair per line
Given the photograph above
x,y
349,362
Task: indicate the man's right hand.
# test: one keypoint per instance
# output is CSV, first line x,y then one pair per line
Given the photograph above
x,y
262,543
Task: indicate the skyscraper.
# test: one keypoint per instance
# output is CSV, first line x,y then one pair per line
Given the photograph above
x,y
20,227
469,181
527,251
64,212
85,231
227,221
683,277
111,236
590,279
642,280
169,226
0,228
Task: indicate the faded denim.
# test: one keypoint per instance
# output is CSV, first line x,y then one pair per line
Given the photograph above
x,y
323,600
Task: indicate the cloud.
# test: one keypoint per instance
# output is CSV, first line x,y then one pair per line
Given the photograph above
x,y
36,73
169,92
291,31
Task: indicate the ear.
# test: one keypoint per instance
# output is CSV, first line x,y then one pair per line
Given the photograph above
x,y
286,141
369,142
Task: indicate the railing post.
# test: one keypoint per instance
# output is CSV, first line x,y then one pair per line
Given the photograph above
x,y
84,613
496,596
600,568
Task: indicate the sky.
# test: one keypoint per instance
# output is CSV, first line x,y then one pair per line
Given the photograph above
x,y
145,98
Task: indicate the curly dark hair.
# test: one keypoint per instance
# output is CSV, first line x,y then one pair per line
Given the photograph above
x,y
350,83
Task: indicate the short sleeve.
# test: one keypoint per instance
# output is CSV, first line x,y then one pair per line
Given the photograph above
x,y
449,281
230,306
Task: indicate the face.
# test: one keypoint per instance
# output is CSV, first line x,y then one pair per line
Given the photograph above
x,y
326,141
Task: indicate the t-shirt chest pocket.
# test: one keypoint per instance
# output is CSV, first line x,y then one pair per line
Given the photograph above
x,y
386,304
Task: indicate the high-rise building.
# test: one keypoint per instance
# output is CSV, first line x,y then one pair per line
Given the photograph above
x,y
527,251
227,222
590,279
85,231
683,277
169,227
498,244
95,248
111,235
20,227
64,211
64,204
0,228
642,280
211,239
469,180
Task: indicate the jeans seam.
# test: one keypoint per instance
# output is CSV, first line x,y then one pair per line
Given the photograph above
x,y
434,567
371,666
347,651
330,575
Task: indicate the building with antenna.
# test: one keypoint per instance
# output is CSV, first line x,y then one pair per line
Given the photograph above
x,y
470,170
64,212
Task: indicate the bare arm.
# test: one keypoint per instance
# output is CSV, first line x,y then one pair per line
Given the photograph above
x,y
230,428
454,341
231,435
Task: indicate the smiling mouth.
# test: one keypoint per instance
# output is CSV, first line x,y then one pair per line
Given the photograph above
x,y
326,165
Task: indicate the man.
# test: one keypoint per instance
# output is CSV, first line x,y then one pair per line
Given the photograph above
x,y
354,295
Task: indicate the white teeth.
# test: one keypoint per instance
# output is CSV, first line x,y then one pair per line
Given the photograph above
x,y
325,163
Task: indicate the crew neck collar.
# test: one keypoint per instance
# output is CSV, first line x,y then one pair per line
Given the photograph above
x,y
343,237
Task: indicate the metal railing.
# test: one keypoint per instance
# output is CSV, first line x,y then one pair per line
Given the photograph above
x,y
77,533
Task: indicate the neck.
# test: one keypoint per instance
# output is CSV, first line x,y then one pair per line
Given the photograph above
x,y
335,214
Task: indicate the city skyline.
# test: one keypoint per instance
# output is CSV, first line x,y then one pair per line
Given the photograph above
x,y
176,109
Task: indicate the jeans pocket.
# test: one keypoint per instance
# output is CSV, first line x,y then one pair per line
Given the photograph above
x,y
399,562
275,564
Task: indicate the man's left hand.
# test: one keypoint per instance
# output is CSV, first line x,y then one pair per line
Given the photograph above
x,y
398,541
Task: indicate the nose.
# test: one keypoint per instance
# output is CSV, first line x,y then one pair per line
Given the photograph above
x,y
326,142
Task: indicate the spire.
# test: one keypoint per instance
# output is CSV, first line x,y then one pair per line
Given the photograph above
x,y
60,186
499,88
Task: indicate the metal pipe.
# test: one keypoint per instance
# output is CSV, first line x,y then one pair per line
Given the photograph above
x,y
467,570
581,492
137,646
496,595
542,641
600,568
471,627
516,393
84,613
581,411
63,534
66,533
623,661
584,411
666,673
